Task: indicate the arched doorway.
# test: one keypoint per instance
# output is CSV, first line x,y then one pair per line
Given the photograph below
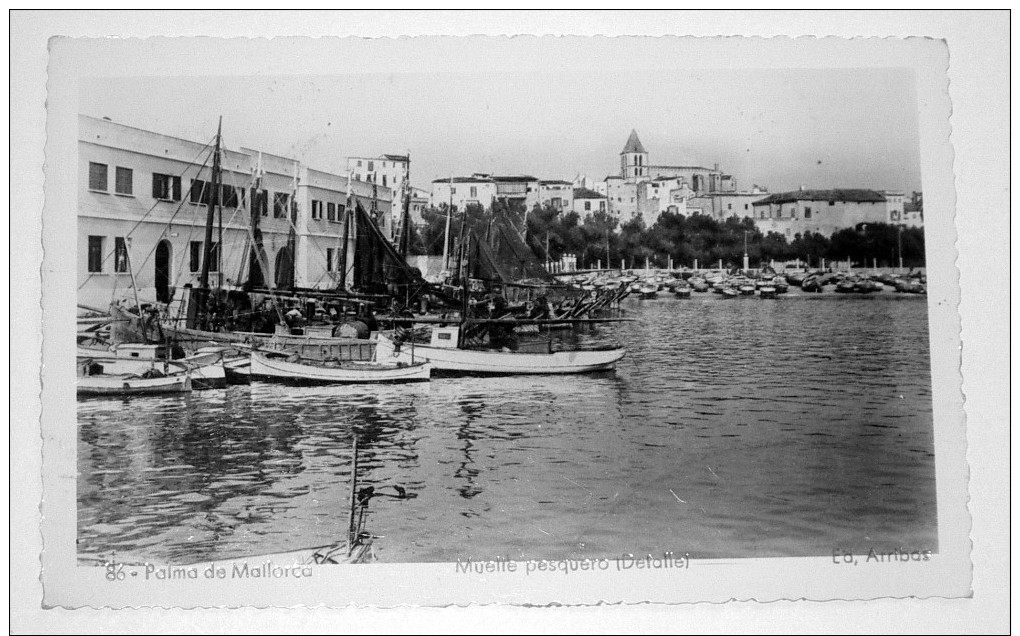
x,y
164,258
284,269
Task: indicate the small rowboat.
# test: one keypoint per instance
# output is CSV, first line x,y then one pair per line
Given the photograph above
x,y
291,369
683,292
767,291
646,292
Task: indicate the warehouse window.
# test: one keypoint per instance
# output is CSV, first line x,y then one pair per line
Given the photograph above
x,y
281,202
316,210
199,193
124,181
97,177
166,187
331,212
228,196
120,255
96,253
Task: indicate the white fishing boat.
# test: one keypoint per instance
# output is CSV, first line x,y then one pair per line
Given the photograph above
x,y
122,384
444,355
294,369
206,366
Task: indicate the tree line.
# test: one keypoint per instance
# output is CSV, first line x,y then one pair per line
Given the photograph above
x,y
552,233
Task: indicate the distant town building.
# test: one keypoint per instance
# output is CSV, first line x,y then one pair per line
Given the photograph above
x,y
518,189
822,211
913,211
419,201
588,202
478,189
647,190
142,207
557,193
722,205
894,201
389,171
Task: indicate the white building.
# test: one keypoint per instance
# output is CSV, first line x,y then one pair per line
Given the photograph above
x,y
464,191
142,210
419,201
818,211
557,193
722,205
588,202
389,171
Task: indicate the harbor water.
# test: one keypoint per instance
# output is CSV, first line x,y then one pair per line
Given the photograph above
x,y
733,428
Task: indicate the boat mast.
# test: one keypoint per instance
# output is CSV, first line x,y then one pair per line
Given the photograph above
x,y
214,186
345,231
405,221
256,277
446,235
352,524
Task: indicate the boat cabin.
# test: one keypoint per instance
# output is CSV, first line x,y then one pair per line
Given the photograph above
x,y
445,337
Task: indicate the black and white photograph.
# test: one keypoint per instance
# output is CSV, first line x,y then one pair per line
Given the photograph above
x,y
529,320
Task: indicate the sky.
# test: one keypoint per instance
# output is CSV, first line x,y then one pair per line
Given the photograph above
x,y
778,128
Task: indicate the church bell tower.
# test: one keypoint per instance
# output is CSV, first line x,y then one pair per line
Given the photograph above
x,y
634,159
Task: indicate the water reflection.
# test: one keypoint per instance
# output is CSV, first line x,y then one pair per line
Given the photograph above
x,y
736,429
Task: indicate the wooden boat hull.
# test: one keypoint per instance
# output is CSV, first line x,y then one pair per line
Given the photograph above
x,y
131,385
505,363
277,369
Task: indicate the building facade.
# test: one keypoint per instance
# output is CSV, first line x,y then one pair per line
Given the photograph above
x,y
588,202
647,190
389,171
557,193
143,207
818,211
517,189
464,191
722,205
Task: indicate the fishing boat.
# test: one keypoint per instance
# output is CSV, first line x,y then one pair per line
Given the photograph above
x,y
294,369
206,367
682,291
92,383
698,284
846,286
812,284
444,355
647,291
767,291
729,292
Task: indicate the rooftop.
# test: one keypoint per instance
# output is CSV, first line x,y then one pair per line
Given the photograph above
x,y
555,182
685,168
463,180
633,144
585,193
852,195
514,178
397,158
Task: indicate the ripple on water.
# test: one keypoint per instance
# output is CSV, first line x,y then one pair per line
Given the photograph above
x,y
732,428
